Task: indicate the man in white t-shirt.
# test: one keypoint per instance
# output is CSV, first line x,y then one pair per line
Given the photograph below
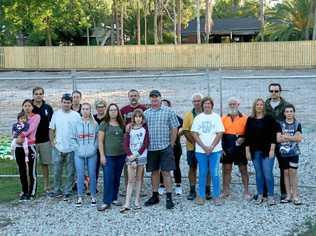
x,y
207,131
61,135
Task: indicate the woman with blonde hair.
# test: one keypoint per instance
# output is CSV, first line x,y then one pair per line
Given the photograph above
x,y
260,141
86,154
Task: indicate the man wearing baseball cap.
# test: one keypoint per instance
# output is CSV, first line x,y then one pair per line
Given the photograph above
x,y
163,128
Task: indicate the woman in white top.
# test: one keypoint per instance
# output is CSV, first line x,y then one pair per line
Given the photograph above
x,y
207,131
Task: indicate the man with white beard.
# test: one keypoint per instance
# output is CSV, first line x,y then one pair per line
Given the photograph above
x,y
233,147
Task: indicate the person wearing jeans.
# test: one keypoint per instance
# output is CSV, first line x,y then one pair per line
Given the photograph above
x,y
209,163
61,136
264,172
112,154
207,131
260,140
86,155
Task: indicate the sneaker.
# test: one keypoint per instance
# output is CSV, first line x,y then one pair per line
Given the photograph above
x,y
24,198
79,202
259,200
178,190
162,190
117,203
191,195
66,197
152,201
103,207
218,202
271,201
93,201
199,200
169,203
55,195
208,196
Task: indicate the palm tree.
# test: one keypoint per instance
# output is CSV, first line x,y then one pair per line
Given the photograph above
x,y
289,21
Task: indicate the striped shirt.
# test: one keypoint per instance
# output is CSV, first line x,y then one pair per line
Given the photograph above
x,y
160,123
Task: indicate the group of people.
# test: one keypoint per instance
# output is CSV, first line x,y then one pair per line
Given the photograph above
x,y
141,137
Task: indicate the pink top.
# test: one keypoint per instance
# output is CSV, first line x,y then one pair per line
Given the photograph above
x,y
33,121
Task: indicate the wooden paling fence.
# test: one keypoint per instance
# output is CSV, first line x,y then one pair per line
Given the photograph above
x,y
301,54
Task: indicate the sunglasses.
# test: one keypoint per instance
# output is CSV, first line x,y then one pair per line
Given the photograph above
x,y
274,91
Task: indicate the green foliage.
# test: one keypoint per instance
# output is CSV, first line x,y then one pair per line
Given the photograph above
x,y
289,21
236,8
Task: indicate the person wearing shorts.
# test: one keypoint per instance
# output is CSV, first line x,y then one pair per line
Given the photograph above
x,y
43,145
163,130
233,147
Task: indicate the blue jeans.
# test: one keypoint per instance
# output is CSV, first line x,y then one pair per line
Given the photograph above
x,y
80,163
112,171
264,172
59,159
209,163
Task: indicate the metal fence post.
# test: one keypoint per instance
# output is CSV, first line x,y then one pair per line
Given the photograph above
x,y
221,94
73,78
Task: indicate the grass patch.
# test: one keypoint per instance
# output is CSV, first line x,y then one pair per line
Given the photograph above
x,y
10,188
311,225
8,167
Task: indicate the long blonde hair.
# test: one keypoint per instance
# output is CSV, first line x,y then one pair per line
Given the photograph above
x,y
91,118
253,110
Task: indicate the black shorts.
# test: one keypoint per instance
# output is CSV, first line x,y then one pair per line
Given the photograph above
x,y
161,160
237,156
288,162
191,159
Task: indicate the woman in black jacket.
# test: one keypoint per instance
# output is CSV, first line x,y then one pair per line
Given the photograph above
x,y
260,147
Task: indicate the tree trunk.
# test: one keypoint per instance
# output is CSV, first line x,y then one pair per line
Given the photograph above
x,y
122,24
49,33
88,36
138,23
314,25
145,21
198,27
207,21
179,20
174,21
160,21
261,18
113,23
117,23
155,22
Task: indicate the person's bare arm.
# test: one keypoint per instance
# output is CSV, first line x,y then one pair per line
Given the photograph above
x,y
101,137
174,135
52,135
216,140
199,142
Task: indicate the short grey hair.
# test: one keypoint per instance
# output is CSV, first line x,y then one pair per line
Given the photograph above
x,y
233,99
197,94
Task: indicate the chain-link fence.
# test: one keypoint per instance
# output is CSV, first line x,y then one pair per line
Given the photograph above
x,y
176,87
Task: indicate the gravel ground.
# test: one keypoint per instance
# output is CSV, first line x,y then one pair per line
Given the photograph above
x,y
45,216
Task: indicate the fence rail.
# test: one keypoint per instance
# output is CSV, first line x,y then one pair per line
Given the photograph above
x,y
300,54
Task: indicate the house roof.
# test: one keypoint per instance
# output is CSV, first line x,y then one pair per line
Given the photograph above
x,y
241,26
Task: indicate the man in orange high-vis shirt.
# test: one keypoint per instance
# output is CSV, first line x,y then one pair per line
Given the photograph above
x,y
233,148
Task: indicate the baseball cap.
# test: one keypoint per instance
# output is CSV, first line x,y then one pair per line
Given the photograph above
x,y
154,93
67,97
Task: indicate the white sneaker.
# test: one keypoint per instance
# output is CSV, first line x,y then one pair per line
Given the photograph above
x,y
162,190
178,190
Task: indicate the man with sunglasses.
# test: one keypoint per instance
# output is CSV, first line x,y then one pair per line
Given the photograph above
x,y
274,106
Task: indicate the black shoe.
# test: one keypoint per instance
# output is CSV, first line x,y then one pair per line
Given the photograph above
x,y
152,201
55,195
208,196
169,203
191,195
24,198
67,197
283,196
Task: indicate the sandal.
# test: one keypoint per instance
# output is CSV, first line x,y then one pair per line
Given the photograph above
x,y
137,207
297,202
124,209
286,200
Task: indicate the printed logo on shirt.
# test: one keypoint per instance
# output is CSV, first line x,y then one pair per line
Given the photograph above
x,y
207,126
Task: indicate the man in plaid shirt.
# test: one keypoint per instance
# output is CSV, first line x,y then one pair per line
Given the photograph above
x,y
163,129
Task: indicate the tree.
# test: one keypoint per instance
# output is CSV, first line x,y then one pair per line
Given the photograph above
x,y
289,21
198,25
261,18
